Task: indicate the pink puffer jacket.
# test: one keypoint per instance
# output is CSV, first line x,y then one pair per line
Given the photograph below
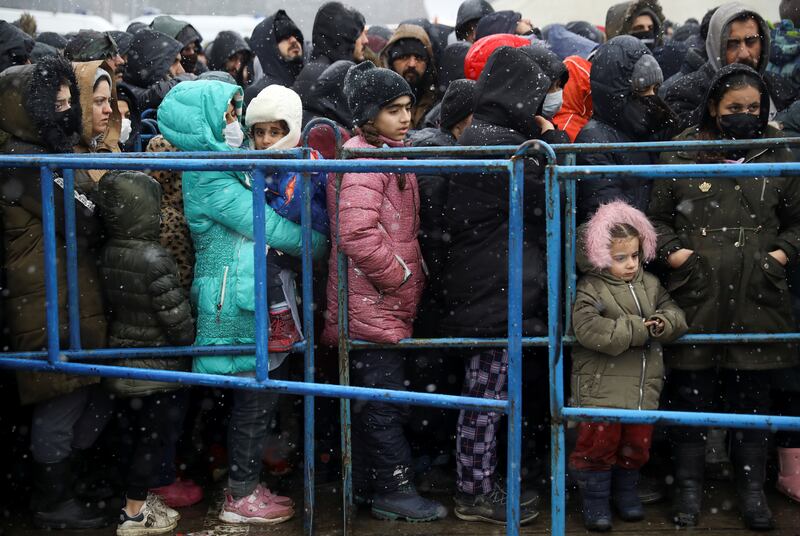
x,y
378,225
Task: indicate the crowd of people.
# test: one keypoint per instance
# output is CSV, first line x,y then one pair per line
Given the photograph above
x,y
167,258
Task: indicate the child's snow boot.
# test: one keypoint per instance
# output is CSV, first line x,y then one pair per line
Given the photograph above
x,y
789,475
595,489
625,494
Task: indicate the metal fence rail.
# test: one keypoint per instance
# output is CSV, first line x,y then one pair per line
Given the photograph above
x,y
459,159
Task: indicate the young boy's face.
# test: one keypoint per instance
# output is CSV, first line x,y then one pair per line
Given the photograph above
x,y
624,258
266,134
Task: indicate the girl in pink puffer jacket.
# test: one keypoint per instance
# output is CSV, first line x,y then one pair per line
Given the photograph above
x,y
377,225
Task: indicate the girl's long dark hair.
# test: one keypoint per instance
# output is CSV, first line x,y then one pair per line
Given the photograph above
x,y
373,137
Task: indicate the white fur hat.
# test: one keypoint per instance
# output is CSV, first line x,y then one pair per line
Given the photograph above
x,y
277,103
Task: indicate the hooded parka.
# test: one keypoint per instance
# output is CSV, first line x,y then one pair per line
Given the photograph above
x,y
147,305
618,362
15,46
336,29
509,93
218,206
265,46
620,17
425,95
685,95
730,284
612,90
30,125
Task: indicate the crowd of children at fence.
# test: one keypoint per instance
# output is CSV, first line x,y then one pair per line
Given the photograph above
x,y
167,259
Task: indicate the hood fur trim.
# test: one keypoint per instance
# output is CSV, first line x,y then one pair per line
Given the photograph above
x,y
597,233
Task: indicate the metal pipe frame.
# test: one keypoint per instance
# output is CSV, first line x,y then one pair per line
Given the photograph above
x,y
55,359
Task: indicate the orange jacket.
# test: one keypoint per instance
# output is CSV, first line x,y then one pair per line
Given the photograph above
x,y
576,109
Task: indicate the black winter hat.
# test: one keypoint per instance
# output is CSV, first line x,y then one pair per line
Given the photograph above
x,y
458,102
53,39
369,88
406,47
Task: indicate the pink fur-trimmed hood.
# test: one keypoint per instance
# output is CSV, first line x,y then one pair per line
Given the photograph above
x,y
597,232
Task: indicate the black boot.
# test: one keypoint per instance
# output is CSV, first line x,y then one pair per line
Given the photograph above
x,y
54,503
595,490
92,482
690,461
750,462
625,493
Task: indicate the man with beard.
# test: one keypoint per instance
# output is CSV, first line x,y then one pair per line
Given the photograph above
x,y
736,34
154,67
188,36
90,45
278,45
231,54
409,53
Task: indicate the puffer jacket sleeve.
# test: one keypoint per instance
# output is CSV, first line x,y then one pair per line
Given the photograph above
x,y
673,317
598,333
360,236
169,300
229,203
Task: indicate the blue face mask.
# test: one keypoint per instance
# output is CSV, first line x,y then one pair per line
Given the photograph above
x,y
552,103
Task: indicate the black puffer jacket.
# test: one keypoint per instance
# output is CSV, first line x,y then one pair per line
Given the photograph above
x,y
30,126
146,303
276,69
148,306
336,29
151,55
15,46
612,70
326,97
510,90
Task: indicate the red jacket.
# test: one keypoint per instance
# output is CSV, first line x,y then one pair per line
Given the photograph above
x,y
377,230
576,109
481,49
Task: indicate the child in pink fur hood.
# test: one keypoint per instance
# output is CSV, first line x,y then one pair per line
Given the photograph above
x,y
621,316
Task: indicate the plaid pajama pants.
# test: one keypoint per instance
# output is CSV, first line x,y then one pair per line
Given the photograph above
x,y
476,443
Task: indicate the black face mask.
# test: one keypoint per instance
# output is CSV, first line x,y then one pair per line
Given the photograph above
x,y
644,116
648,37
741,126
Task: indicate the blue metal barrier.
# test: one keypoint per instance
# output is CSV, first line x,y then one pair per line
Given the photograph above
x,y
477,160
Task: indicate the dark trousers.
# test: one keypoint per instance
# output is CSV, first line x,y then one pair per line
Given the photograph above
x,y
248,427
712,390
602,445
381,453
157,422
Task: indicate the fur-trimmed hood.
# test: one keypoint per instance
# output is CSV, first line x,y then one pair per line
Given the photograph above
x,y
27,104
595,235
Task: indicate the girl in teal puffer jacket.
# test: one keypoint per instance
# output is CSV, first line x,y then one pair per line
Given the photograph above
x,y
202,116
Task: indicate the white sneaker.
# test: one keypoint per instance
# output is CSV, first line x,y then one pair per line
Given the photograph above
x,y
157,503
148,521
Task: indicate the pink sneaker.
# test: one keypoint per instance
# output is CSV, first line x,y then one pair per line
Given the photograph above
x,y
254,509
180,493
273,497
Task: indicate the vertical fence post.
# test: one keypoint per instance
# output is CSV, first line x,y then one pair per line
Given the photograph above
x,y
73,289
569,243
308,365
50,265
344,377
260,256
554,333
515,230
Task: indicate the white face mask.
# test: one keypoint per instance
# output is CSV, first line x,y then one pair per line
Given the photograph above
x,y
233,134
125,131
552,103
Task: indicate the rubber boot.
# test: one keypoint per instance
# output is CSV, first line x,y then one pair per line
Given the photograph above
x,y
750,467
789,474
595,489
690,460
54,503
625,494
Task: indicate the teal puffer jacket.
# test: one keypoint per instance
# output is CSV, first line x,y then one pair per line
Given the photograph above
x,y
219,211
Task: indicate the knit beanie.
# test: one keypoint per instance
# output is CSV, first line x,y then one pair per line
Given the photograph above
x,y
406,47
369,88
458,102
277,103
646,72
